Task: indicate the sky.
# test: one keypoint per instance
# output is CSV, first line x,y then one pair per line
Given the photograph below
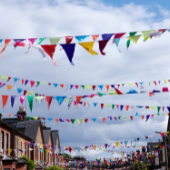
x,y
142,62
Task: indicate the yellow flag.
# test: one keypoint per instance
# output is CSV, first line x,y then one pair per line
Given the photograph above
x,y
21,140
94,147
107,105
66,100
3,77
46,150
165,81
88,87
134,38
130,84
30,93
112,92
9,87
9,151
117,144
152,107
89,47
167,132
145,34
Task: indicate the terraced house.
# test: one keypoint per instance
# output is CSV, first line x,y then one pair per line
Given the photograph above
x,y
21,136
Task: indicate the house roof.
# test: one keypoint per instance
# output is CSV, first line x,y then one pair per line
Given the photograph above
x,y
21,161
38,166
46,135
8,158
54,136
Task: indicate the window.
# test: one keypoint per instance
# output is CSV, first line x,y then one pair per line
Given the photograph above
x,y
2,141
7,141
44,155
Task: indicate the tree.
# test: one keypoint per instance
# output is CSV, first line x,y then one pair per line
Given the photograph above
x,y
53,168
31,164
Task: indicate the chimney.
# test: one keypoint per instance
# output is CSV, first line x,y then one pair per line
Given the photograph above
x,y
43,124
0,116
21,114
159,140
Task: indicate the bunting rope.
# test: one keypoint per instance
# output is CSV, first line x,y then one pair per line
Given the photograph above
x,y
69,47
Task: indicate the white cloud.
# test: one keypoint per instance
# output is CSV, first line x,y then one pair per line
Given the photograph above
x,y
142,62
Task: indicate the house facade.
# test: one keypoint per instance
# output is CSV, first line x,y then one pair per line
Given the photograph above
x,y
23,136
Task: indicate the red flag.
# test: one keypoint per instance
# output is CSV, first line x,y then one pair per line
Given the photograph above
x,y
62,85
93,87
127,107
143,116
86,120
95,37
78,98
50,49
102,104
4,100
32,83
9,78
22,81
69,39
84,104
155,83
107,87
102,44
131,117
119,35
146,107
49,84
104,119
136,84
49,100
25,92
118,91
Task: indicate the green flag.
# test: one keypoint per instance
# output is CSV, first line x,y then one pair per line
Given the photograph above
x,y
101,94
30,101
158,108
28,117
41,40
113,106
128,41
55,40
119,117
83,86
72,121
38,83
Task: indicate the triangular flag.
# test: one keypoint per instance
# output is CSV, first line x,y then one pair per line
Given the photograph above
x,y
26,81
145,34
32,83
100,86
3,77
89,47
68,120
117,144
95,104
117,106
69,50
9,78
94,119
88,87
93,87
127,107
116,41
102,105
22,98
107,105
12,100
62,85
6,43
84,104
30,93
134,38
9,151
113,106
55,40
4,100
25,92
80,121
60,99
121,107
78,98
30,102
131,117
82,86
95,37
38,83
158,108
50,49
118,91
39,98
107,36
81,37
68,39
9,87
22,81
19,90
101,94
49,100
147,117
86,120
15,79
119,35
41,40
128,42
112,92
72,121
107,87
55,85
102,45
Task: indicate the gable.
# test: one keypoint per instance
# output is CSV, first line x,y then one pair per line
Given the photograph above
x,y
39,137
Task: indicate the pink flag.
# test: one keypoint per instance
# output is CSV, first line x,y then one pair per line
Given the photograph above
x,y
163,107
32,83
22,99
152,116
162,134
117,106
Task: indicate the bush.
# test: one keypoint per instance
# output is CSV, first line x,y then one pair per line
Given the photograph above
x,y
53,168
31,164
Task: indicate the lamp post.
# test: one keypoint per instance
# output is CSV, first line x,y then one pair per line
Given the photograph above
x,y
165,149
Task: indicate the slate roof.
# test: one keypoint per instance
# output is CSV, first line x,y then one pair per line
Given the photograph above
x,y
21,161
8,158
39,166
46,135
54,136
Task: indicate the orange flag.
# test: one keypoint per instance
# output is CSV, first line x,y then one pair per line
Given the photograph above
x,y
9,114
57,121
127,107
9,87
62,85
107,87
6,43
4,100
78,98
95,37
84,104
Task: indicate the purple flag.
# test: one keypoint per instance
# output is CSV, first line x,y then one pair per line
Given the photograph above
x,y
69,50
71,86
112,85
12,100
107,36
168,108
26,81
121,107
147,117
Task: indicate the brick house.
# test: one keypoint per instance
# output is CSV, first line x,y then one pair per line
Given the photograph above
x,y
25,137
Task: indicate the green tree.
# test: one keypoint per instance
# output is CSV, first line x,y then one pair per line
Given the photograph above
x,y
53,168
31,164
